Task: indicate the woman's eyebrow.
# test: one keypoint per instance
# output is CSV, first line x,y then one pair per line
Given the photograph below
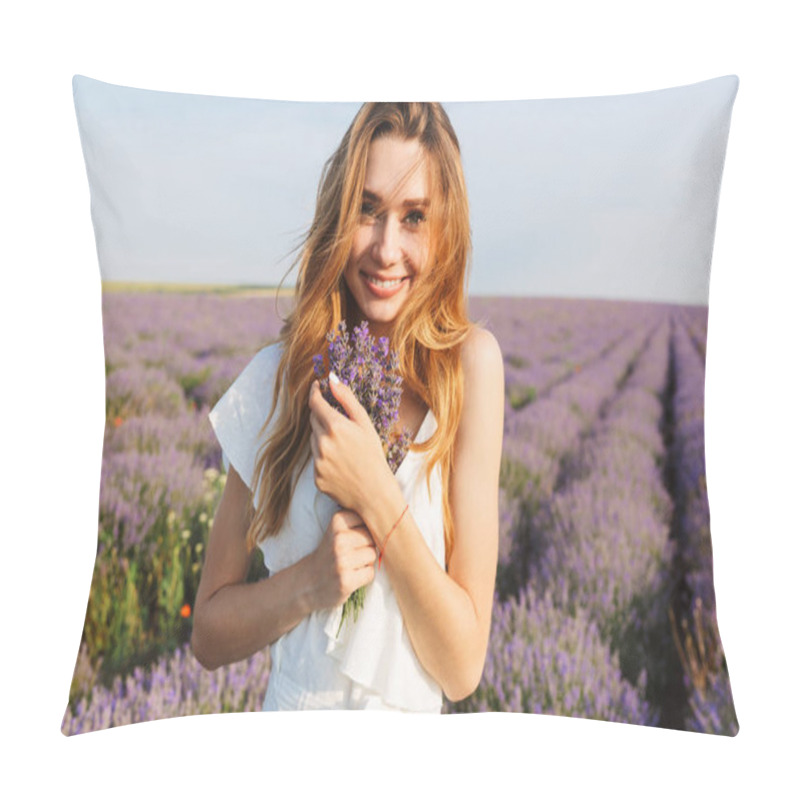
x,y
424,202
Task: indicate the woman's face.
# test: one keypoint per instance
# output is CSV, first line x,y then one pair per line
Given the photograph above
x,y
390,247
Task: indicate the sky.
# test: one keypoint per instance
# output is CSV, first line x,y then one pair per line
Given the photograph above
x,y
607,197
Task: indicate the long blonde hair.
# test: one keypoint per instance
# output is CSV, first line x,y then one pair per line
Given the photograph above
x,y
427,333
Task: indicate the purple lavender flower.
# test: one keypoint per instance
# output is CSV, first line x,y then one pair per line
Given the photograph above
x,y
371,370
174,686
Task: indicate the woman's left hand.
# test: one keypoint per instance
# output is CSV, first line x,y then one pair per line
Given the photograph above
x,y
349,461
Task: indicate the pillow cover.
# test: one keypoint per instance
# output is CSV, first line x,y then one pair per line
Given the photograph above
x,y
593,224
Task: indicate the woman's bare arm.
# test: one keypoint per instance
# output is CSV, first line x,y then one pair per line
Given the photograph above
x,y
234,619
448,614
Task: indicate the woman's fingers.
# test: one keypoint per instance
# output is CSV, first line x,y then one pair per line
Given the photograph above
x,y
314,446
354,541
347,518
358,550
314,398
349,553
364,545
316,425
313,391
320,407
359,558
364,576
316,432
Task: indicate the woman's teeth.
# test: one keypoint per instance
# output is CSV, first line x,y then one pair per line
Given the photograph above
x,y
384,284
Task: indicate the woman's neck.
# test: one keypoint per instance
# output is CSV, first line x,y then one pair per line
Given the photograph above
x,y
376,329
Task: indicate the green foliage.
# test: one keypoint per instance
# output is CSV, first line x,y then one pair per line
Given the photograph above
x,y
192,380
136,599
521,396
516,479
518,362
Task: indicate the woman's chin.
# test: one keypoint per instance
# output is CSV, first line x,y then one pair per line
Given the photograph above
x,y
379,324
379,311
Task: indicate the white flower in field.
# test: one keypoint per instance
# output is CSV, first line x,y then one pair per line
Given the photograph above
x,y
203,517
185,533
211,474
171,516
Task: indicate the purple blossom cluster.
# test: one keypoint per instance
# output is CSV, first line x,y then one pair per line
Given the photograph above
x,y
371,370
174,686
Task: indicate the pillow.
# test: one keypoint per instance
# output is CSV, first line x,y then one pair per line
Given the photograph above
x,y
593,225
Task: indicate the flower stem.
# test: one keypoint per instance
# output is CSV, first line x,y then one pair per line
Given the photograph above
x,y
352,606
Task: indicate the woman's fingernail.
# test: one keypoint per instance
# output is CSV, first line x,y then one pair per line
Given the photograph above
x,y
333,377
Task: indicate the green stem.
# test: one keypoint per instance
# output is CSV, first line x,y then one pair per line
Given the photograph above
x,y
352,606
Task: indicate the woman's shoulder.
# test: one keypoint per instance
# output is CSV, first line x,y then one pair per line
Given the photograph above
x,y
481,354
484,381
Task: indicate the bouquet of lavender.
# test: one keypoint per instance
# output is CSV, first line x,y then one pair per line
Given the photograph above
x,y
370,369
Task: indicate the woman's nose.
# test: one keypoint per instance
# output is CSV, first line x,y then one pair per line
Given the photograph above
x,y
386,247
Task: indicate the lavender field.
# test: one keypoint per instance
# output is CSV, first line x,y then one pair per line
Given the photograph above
x,y
605,603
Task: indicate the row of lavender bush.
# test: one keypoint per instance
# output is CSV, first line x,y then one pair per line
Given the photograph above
x,y
607,530
174,686
540,438
695,626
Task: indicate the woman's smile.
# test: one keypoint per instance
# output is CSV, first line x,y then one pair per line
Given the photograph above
x,y
384,287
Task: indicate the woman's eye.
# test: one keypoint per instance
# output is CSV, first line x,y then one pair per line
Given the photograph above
x,y
371,211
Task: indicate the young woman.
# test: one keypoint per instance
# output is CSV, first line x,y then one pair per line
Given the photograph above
x,y
389,244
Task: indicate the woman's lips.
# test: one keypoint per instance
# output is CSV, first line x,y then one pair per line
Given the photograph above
x,y
383,291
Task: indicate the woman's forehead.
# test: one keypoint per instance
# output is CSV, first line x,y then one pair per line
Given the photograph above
x,y
397,168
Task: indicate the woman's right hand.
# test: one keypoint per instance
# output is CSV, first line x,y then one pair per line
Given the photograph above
x,y
344,559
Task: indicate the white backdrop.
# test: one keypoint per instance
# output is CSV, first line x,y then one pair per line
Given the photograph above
x,y
53,381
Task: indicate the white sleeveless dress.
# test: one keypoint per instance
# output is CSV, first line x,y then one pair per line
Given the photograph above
x,y
371,664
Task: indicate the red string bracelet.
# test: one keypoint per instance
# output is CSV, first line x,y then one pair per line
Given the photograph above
x,y
383,549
